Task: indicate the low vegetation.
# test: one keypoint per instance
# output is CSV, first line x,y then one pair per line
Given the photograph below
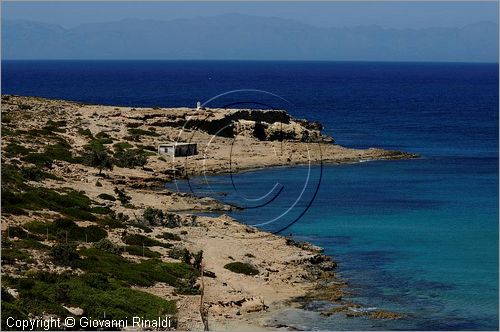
x,y
98,158
107,246
130,158
168,236
65,254
61,150
96,293
141,240
107,197
142,251
242,268
122,196
64,228
18,197
156,217
142,132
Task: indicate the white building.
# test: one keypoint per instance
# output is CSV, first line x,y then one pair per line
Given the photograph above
x,y
178,149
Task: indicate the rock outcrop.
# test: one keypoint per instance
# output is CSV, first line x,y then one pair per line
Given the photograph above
x,y
264,125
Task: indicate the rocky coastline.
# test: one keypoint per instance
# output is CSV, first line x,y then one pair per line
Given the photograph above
x,y
73,168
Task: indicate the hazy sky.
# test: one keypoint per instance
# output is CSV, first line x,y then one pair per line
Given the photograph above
x,y
387,14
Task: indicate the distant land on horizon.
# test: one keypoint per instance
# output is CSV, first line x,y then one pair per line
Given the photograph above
x,y
243,37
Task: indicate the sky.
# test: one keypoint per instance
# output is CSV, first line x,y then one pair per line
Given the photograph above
x,y
325,14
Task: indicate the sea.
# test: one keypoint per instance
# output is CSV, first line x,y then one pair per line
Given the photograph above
x,y
418,236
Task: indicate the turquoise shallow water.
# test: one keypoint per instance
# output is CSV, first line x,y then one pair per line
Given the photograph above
x,y
417,236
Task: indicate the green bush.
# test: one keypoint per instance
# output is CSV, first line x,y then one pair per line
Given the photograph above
x,y
243,268
94,292
9,256
142,132
55,126
153,217
37,226
120,216
177,252
141,226
32,173
70,202
94,144
80,214
92,233
189,288
96,280
144,273
99,141
186,256
62,229
139,240
36,174
120,146
115,220
102,134
100,209
13,149
142,251
130,158
197,259
39,159
169,236
112,223
107,246
64,254
133,138
24,107
85,132
13,310
172,220
30,244
15,231
148,150
6,296
58,151
98,158
122,196
12,177
107,197
156,217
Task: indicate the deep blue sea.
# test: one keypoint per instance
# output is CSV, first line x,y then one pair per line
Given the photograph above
x,y
415,236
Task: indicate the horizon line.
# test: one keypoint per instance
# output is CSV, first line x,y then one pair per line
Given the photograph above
x,y
260,60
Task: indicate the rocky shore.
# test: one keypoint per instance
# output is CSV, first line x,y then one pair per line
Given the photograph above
x,y
96,168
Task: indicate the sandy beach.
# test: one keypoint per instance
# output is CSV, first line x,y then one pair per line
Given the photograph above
x,y
227,141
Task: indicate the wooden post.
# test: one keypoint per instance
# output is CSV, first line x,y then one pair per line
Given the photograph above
x,y
203,309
